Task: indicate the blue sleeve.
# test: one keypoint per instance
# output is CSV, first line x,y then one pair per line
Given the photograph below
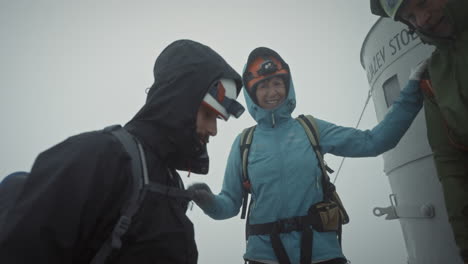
x,y
351,142
229,200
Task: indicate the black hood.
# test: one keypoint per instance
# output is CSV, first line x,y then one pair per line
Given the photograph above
x,y
166,124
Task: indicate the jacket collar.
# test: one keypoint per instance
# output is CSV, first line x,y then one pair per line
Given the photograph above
x,y
273,117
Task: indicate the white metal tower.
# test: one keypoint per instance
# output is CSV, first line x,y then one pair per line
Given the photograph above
x,y
388,54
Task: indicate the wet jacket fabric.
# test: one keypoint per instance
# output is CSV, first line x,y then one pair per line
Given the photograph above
x,y
286,177
76,189
447,117
447,69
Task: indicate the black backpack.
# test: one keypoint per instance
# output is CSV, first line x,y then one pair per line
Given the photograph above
x,y
12,185
10,188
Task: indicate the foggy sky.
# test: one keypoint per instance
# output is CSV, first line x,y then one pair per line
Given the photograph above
x,y
73,66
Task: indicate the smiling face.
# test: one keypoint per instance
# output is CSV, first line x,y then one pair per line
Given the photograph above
x,y
206,123
427,16
271,92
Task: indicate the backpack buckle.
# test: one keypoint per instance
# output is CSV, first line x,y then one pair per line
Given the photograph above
x,y
289,224
247,185
120,228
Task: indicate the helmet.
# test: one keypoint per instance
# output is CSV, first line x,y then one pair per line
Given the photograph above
x,y
221,98
386,8
263,68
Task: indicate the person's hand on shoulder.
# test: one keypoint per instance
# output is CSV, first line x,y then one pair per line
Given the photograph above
x,y
418,71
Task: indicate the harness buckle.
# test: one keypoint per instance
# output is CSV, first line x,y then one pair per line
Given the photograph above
x,y
247,185
288,225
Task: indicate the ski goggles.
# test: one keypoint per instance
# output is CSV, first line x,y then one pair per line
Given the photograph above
x,y
221,98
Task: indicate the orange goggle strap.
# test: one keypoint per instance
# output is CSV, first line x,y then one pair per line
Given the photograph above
x,y
263,68
426,87
428,90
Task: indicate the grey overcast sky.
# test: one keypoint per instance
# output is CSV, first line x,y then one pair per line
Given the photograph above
x,y
72,66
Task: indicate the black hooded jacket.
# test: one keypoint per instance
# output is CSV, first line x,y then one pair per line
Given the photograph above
x,y
76,189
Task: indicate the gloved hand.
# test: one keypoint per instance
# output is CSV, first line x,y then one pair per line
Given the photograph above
x,y
418,70
202,195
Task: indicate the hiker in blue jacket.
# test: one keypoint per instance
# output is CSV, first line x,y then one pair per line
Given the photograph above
x,y
284,172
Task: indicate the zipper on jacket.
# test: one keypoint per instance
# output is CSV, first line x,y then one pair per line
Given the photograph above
x,y
317,181
273,119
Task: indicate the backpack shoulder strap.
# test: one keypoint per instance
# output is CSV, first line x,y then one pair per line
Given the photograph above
x,y
245,143
311,129
140,184
312,132
131,206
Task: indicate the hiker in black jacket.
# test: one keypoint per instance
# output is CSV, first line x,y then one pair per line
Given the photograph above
x,y
76,190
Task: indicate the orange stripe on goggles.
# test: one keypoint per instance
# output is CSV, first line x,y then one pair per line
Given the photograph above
x,y
262,68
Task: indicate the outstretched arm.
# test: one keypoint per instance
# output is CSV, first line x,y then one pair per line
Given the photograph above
x,y
350,142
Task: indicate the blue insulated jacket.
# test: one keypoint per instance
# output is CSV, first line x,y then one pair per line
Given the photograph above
x,y
284,171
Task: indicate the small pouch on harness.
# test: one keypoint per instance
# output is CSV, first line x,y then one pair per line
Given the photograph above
x,y
343,214
327,216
